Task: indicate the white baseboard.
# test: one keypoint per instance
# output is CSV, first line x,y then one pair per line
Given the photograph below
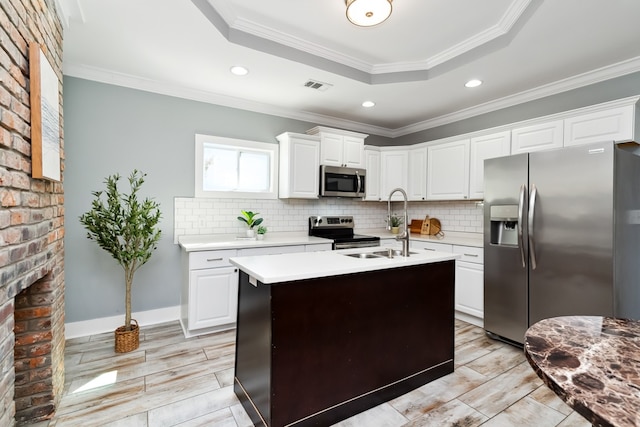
x,y
109,324
469,319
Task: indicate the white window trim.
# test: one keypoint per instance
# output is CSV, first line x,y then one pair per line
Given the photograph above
x,y
262,146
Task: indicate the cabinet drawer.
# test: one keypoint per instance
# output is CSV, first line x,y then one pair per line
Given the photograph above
x,y
210,259
470,254
270,250
439,247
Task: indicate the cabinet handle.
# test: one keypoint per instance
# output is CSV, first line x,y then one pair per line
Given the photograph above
x,y
471,255
213,259
429,249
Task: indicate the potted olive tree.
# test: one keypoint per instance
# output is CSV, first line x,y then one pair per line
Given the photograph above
x,y
128,229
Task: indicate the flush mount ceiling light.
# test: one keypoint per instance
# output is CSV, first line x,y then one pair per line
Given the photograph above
x,y
368,104
473,83
239,70
367,13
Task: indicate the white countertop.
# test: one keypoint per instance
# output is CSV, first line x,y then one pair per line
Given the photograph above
x,y
450,237
229,241
307,265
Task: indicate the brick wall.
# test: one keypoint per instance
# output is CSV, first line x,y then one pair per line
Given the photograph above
x,y
31,227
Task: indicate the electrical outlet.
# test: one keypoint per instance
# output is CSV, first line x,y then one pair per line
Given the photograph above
x,y
202,222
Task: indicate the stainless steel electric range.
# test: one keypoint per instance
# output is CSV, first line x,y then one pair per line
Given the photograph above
x,y
340,230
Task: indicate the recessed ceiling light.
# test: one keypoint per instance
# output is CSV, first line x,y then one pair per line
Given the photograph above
x,y
368,104
473,83
239,70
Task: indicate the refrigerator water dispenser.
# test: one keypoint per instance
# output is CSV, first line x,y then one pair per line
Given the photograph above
x,y
504,225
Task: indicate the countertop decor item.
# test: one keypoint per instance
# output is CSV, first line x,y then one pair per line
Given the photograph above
x,y
127,228
432,227
395,221
261,231
416,225
251,219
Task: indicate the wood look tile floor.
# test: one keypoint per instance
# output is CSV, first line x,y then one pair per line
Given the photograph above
x,y
174,381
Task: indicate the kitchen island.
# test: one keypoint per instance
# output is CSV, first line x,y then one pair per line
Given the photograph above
x,y
323,336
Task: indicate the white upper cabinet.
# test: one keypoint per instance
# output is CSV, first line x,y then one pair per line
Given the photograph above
x,y
448,171
482,148
299,166
331,149
372,178
417,174
340,147
393,172
353,152
540,136
610,125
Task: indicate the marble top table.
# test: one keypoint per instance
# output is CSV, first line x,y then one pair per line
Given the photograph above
x,y
592,363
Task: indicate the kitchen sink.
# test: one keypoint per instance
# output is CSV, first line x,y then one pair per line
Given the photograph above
x,y
387,253
364,255
391,253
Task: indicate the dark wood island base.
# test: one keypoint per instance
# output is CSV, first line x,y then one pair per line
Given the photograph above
x,y
316,351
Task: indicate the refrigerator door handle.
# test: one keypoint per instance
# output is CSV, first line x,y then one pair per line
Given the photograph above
x,y
523,191
532,213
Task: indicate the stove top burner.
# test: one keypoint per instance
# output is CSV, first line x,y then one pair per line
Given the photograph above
x,y
340,230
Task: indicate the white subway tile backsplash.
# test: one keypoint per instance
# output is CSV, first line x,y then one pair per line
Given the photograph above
x,y
219,216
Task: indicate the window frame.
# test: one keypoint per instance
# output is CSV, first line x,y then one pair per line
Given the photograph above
x,y
235,144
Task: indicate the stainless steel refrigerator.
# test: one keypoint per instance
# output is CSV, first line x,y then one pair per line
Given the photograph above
x,y
561,236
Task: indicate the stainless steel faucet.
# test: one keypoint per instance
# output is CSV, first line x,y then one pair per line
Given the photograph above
x,y
404,236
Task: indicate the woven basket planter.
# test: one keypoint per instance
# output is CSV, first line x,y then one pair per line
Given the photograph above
x,y
127,341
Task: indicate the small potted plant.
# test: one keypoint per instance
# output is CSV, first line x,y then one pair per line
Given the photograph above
x,y
128,229
395,222
251,220
261,230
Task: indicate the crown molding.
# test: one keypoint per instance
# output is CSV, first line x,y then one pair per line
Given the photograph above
x,y
585,79
301,44
69,10
236,30
506,23
163,88
581,80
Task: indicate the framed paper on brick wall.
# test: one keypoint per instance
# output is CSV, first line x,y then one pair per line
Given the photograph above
x,y
45,116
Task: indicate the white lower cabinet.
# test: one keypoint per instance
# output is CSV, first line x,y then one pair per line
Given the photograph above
x,y
209,297
213,295
319,247
469,293
430,246
469,299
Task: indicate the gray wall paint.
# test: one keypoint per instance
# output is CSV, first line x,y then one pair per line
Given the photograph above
x,y
111,129
597,93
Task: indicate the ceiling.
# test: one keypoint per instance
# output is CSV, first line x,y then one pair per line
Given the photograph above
x,y
413,66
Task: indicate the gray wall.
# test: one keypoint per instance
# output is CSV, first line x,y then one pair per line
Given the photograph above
x,y
597,93
110,129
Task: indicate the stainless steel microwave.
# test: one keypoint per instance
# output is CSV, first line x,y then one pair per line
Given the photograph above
x,y
341,182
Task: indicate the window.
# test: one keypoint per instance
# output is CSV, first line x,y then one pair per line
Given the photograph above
x,y
236,168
